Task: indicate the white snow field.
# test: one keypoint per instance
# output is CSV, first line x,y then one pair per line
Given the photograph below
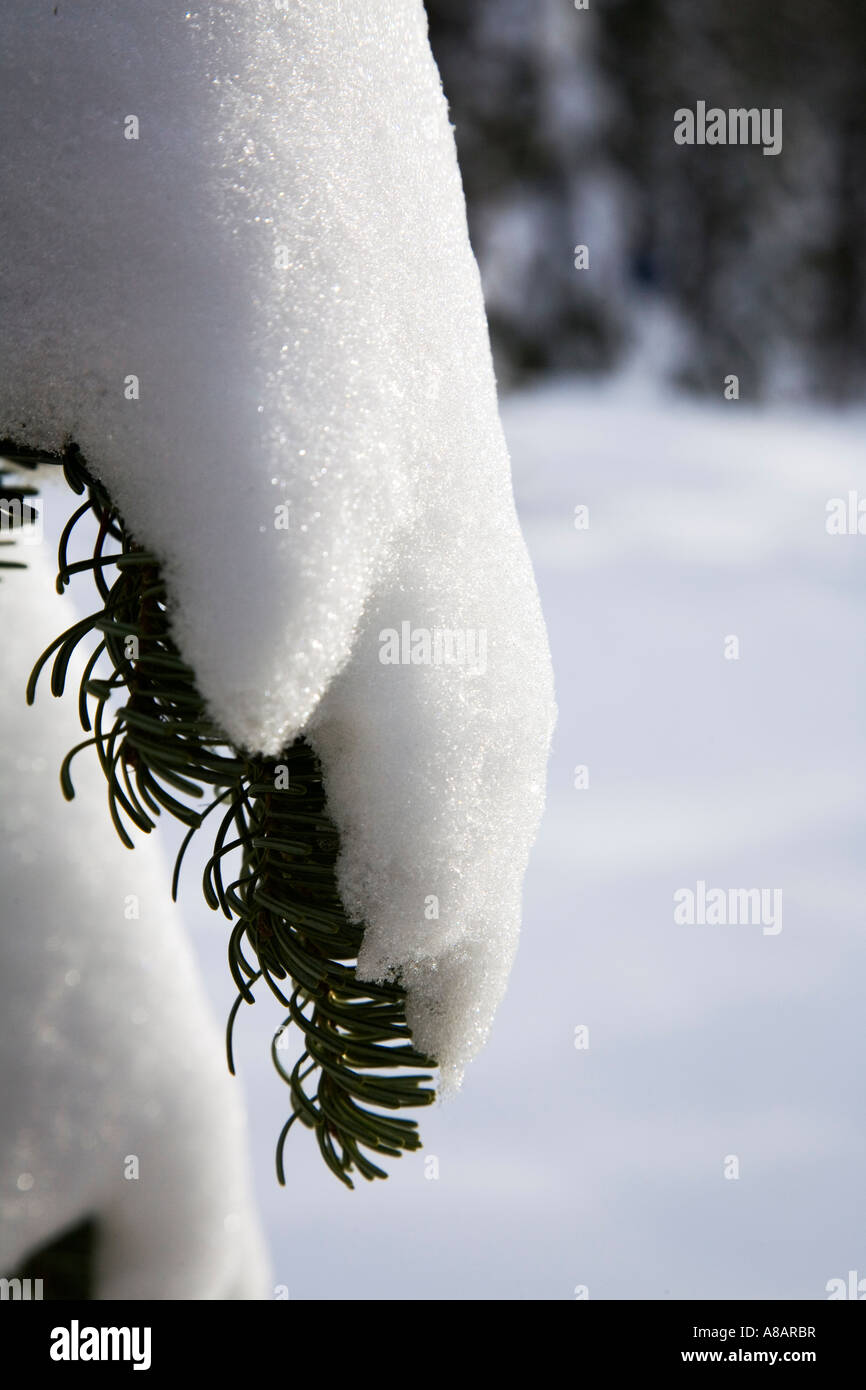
x,y
108,1050
237,274
604,1167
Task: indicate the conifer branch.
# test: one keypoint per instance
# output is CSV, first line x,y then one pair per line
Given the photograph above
x,y
161,751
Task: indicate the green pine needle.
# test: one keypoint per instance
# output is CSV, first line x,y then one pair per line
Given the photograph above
x,y
160,750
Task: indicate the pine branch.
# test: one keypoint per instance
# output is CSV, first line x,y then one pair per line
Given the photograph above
x,y
160,750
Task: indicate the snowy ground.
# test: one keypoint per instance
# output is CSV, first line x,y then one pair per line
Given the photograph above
x,y
605,1167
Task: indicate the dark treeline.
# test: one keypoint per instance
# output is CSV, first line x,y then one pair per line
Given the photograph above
x,y
564,122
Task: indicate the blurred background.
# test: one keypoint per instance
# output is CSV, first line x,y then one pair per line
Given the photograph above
x,y
564,122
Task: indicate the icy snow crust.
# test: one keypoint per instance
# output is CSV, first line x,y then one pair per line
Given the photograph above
x,y
281,260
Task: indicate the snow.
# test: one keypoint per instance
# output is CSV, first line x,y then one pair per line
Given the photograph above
x,y
604,1167
262,322
107,1049
704,519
